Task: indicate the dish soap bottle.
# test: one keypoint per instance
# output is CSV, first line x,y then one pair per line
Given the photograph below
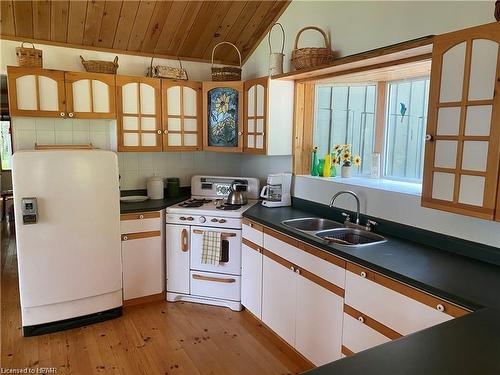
x,y
314,163
327,166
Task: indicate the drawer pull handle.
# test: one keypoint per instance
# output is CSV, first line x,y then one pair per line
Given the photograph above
x,y
297,271
361,319
182,218
292,268
215,279
141,216
124,238
190,218
440,307
363,274
250,225
214,220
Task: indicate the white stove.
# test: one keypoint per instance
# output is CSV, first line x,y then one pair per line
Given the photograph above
x,y
188,279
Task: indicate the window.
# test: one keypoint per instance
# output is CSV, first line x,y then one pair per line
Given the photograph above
x,y
405,124
6,145
345,114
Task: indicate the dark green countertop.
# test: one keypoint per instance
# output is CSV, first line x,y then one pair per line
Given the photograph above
x,y
455,347
151,204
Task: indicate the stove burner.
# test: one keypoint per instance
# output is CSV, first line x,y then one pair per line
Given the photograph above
x,y
194,203
228,207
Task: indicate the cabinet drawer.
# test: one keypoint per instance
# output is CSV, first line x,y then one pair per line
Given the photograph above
x,y
395,305
140,222
253,232
215,285
357,336
321,264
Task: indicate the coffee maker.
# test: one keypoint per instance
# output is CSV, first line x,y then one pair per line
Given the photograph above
x,y
277,190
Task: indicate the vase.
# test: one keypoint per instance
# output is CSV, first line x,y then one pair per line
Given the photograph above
x,y
314,164
346,171
321,166
333,170
327,166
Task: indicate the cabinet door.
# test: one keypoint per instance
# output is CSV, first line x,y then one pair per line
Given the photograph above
x,y
279,297
223,116
177,245
36,92
90,95
318,332
138,113
463,132
256,116
142,264
181,115
251,278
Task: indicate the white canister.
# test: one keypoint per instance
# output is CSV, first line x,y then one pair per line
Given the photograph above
x,y
155,187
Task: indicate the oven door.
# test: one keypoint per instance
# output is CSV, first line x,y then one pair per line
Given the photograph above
x,y
231,251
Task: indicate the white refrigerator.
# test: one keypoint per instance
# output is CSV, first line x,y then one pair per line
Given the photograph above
x,y
67,211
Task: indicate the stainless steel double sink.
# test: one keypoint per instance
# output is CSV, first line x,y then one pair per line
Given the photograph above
x,y
336,234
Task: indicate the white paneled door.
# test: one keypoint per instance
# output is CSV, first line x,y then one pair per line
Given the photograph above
x,y
463,133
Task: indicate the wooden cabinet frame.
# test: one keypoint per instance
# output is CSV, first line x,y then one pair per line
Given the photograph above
x,y
238,86
15,72
108,79
264,81
197,86
155,83
442,44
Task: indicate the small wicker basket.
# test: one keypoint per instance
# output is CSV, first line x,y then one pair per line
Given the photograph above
x,y
99,66
303,58
29,57
226,73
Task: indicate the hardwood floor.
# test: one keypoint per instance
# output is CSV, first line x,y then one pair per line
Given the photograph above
x,y
154,338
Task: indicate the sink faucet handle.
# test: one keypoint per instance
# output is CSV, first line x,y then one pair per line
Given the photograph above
x,y
370,224
347,217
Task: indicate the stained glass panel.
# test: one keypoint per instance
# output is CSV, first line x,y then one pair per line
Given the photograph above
x,y
223,117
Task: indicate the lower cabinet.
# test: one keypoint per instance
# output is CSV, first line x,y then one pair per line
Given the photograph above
x,y
143,255
318,328
251,278
279,299
142,264
177,247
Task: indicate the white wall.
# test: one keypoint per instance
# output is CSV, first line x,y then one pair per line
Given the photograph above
x,y
357,26
400,208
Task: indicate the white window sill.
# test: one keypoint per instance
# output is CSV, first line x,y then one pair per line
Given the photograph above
x,y
375,183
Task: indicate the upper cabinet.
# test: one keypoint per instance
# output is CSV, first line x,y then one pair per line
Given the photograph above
x,y
462,156
268,116
36,92
139,114
182,115
222,120
52,93
90,95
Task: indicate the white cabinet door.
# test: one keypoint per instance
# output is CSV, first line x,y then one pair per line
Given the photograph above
x,y
251,279
142,265
318,333
279,294
177,245
90,95
358,336
181,110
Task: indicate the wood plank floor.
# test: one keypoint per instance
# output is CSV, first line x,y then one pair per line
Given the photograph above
x,y
154,338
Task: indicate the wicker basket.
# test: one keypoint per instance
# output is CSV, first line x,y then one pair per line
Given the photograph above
x,y
98,66
170,72
303,58
29,57
226,73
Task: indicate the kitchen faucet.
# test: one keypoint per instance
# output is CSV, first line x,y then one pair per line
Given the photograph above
x,y
351,193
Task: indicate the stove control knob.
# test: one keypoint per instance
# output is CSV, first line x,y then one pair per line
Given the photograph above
x,y
182,218
222,221
190,218
214,220
202,219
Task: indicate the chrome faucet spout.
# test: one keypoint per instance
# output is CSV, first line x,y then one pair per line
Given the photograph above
x,y
334,197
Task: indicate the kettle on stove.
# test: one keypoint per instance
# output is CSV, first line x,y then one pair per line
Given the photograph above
x,y
237,195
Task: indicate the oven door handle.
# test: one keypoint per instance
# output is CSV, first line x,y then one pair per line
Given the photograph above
x,y
215,279
184,240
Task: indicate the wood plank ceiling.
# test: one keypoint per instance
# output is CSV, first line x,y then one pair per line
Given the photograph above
x,y
185,29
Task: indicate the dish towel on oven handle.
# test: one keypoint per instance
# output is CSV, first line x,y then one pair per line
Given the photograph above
x,y
211,251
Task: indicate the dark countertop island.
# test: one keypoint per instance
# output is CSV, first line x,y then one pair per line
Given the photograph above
x,y
466,345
